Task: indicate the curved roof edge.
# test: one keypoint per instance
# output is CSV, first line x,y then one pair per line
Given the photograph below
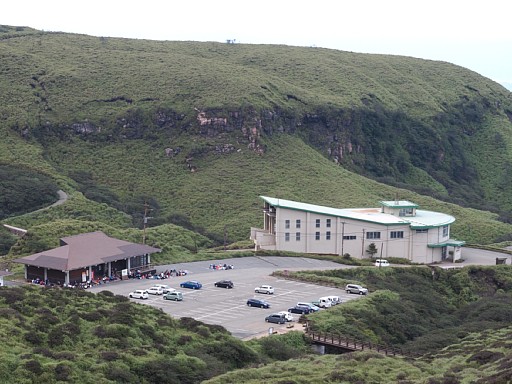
x,y
422,220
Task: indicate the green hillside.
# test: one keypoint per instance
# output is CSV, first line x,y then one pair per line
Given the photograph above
x,y
195,133
457,325
200,130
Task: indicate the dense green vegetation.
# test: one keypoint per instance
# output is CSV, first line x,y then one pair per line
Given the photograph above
x,y
190,134
197,131
418,309
58,335
24,190
457,322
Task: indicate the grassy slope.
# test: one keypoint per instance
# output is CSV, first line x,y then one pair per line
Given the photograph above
x,y
228,186
209,75
118,75
459,323
53,335
479,358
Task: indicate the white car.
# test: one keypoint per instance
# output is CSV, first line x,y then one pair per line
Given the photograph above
x,y
323,302
287,315
165,288
268,289
381,263
139,294
155,291
335,300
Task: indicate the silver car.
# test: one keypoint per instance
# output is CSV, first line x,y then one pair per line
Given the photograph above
x,y
268,289
354,288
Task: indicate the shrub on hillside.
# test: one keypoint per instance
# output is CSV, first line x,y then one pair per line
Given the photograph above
x,y
34,337
276,350
17,188
7,240
34,366
233,353
62,372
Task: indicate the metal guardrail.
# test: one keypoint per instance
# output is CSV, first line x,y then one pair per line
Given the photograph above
x,y
352,344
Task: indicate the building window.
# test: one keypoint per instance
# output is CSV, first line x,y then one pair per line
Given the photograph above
x,y
297,236
317,223
328,223
297,223
445,231
397,234
406,212
287,236
349,237
317,235
422,231
372,235
328,235
287,224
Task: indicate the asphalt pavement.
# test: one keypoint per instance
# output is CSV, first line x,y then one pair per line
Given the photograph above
x,y
228,307
474,256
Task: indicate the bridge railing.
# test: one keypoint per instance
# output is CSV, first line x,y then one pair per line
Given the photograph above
x,y
353,344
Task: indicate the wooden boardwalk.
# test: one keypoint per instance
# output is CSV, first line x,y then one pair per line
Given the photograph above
x,y
351,344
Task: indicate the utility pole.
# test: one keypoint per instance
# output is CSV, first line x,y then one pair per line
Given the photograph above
x,y
342,237
362,246
225,236
145,222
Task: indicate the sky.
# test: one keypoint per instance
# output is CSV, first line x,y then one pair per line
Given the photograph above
x,y
475,34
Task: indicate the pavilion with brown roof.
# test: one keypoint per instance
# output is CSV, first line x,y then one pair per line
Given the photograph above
x,y
86,257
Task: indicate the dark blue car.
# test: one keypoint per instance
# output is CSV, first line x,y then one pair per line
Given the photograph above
x,y
300,310
257,303
191,284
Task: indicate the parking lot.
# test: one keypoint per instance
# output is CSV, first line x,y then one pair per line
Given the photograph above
x,y
227,307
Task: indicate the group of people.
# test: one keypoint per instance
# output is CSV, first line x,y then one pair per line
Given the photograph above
x,y
221,266
162,275
105,279
173,272
39,281
74,284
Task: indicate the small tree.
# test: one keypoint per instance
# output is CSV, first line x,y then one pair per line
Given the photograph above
x,y
371,250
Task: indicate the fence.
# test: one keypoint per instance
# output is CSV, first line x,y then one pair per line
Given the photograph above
x,y
351,344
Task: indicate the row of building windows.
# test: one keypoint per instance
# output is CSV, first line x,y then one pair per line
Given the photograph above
x,y
392,235
287,223
369,235
297,236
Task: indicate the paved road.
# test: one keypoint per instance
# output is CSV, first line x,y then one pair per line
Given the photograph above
x,y
473,256
227,307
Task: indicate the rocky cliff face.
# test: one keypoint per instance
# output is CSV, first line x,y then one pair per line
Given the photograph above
x,y
388,145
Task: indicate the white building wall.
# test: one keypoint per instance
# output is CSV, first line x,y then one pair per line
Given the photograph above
x,y
317,237
292,244
419,251
412,246
397,247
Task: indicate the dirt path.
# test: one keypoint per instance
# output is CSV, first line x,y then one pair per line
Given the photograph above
x,y
63,196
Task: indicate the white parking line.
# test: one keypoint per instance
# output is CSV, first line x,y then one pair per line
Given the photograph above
x,y
219,312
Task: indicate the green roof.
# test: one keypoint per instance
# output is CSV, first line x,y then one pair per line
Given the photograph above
x,y
399,204
447,243
422,220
